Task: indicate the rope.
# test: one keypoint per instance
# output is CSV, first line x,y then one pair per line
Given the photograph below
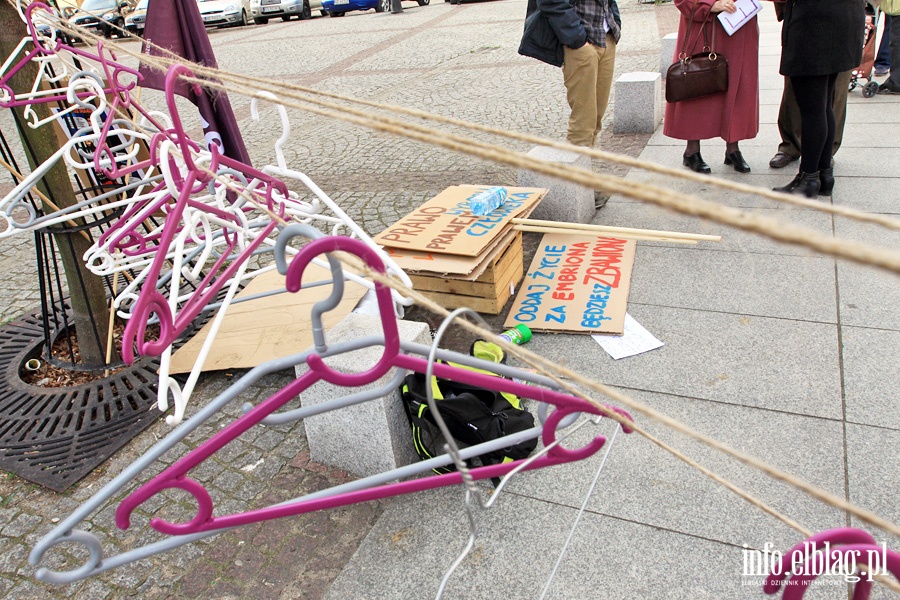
x,y
684,203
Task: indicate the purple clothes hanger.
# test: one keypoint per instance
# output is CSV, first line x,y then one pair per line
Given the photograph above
x,y
827,552
176,476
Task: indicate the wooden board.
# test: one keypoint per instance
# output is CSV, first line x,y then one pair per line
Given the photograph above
x,y
260,330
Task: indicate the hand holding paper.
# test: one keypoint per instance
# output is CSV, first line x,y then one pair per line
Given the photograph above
x,y
746,10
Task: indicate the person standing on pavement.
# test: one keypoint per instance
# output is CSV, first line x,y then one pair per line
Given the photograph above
x,y
789,121
580,36
819,40
732,116
892,84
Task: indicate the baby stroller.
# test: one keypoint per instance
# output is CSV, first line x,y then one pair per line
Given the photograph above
x,y
866,70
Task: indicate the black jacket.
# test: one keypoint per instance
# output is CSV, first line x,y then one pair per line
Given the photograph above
x,y
822,37
552,24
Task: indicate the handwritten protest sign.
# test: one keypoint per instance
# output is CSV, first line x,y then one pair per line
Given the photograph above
x,y
576,283
444,224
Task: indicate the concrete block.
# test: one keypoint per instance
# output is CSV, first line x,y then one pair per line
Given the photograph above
x,y
638,105
667,53
368,438
566,201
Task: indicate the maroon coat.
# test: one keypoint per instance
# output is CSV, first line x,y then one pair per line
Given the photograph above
x,y
734,115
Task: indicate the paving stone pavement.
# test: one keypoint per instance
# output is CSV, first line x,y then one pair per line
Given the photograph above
x,y
461,61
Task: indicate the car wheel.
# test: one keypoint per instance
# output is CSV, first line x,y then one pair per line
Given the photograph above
x,y
285,18
383,6
423,2
244,20
323,13
305,12
260,20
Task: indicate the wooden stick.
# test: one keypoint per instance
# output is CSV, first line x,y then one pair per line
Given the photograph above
x,y
627,236
669,235
112,322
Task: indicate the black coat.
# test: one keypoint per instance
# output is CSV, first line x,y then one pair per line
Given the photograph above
x,y
822,37
552,24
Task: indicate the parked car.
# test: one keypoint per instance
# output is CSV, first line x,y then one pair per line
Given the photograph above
x,y
105,17
136,19
263,10
45,28
224,13
337,8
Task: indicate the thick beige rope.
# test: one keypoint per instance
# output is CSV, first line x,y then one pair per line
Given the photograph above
x,y
685,203
389,125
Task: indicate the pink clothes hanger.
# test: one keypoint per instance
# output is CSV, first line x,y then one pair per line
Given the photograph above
x,y
176,476
120,81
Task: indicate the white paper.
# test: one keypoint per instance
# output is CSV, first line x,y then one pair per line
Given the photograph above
x,y
746,9
635,340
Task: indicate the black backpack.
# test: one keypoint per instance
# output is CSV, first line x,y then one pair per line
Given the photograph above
x,y
472,414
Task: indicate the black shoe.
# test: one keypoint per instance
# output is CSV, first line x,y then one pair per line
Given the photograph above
x,y
826,181
888,88
781,160
695,162
804,184
735,159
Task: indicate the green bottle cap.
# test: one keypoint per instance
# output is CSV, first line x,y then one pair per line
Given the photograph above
x,y
525,331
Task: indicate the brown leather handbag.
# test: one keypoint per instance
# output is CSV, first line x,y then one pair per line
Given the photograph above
x,y
703,74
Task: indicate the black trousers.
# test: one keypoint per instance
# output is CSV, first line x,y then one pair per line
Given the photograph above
x,y
815,96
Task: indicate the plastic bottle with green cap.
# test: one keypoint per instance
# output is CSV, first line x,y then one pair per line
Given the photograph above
x,y
520,334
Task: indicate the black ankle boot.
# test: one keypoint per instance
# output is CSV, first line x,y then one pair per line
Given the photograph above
x,y
804,184
826,181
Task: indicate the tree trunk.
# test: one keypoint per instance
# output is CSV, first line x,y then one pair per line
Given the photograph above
x,y
86,292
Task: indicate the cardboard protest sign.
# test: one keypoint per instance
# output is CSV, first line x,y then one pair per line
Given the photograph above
x,y
444,224
259,330
576,283
464,267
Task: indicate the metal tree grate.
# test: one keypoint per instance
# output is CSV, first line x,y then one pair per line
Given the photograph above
x,y
56,436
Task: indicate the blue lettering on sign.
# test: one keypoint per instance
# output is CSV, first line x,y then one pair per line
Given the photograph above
x,y
557,314
549,262
594,312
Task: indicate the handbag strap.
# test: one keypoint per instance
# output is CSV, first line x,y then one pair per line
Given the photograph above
x,y
687,38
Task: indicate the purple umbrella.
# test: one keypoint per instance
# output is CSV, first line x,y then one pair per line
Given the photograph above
x,y
177,26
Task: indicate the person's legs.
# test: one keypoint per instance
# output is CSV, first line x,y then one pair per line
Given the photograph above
x,y
841,88
606,62
894,79
883,59
892,84
580,77
815,106
825,156
789,128
815,99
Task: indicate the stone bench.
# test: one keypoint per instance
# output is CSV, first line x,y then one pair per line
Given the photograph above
x,y
566,201
367,438
667,53
638,103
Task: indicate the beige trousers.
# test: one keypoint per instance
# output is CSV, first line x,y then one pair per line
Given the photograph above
x,y
588,74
